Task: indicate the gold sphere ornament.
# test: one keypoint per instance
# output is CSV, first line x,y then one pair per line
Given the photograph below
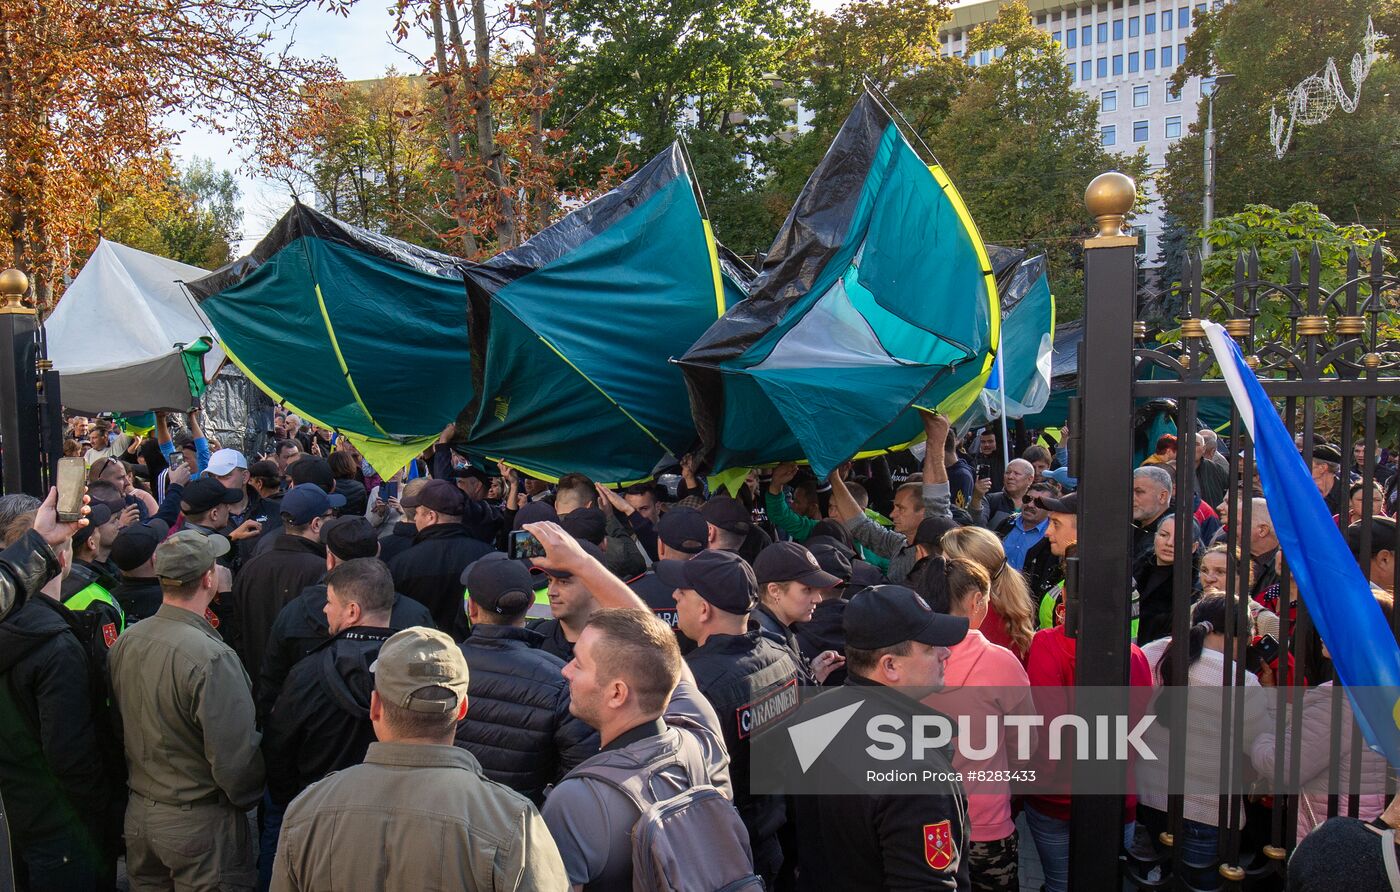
x,y
13,285
1110,198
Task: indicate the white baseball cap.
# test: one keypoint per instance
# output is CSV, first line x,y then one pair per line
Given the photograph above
x,y
225,461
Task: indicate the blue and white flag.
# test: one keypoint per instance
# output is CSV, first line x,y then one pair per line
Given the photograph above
x,y
1337,595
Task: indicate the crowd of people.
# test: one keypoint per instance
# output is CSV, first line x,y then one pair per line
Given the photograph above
x,y
284,671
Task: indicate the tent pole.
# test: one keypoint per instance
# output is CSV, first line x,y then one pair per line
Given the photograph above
x,y
1001,390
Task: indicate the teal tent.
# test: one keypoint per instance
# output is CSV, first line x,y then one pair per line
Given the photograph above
x,y
352,330
572,331
1027,336
877,296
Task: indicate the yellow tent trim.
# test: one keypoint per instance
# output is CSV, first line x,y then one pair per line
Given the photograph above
x,y
387,457
340,358
714,266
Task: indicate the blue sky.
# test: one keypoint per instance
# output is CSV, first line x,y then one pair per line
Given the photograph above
x,y
362,45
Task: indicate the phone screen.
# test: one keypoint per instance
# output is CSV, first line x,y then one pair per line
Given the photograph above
x,y
72,484
389,489
523,544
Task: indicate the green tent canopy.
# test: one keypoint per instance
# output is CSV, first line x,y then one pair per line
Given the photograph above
x,y
877,296
1027,337
352,330
572,331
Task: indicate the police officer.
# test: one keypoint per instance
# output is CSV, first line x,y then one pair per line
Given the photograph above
x,y
681,534
899,839
790,584
138,590
750,681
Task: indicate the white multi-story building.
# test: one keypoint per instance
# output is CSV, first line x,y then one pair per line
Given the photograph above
x,y
1122,53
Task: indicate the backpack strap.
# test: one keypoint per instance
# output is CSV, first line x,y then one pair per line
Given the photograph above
x,y
635,779
1392,869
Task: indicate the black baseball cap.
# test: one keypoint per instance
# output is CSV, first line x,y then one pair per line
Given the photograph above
x,y
840,545
99,513
534,512
1064,505
791,562
137,544
722,578
932,529
205,493
499,584
832,560
312,469
684,530
441,496
593,551
350,537
886,615
472,472
307,501
728,514
865,574
586,525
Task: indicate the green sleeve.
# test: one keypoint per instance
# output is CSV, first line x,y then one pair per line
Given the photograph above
x,y
786,519
870,557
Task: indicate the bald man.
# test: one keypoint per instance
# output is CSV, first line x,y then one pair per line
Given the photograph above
x,y
999,507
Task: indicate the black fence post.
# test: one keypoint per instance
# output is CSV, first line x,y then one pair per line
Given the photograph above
x,y
19,394
1098,610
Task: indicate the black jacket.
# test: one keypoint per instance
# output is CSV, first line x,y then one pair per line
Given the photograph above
x,y
139,597
762,619
264,586
1042,569
824,632
752,683
518,723
24,569
431,572
397,542
50,767
356,496
301,628
551,640
661,598
320,722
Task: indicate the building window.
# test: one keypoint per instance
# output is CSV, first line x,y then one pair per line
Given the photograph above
x,y
1040,20
1133,24
1207,86
1172,95
1117,65
1149,60
1139,131
1070,68
1167,56
1056,37
1149,23
1071,38
1166,20
1132,63
1174,127
982,58
1117,29
1183,17
1086,35
1200,9
998,52
1140,97
1180,53
1108,135
1086,70
1108,100
1102,66
1102,36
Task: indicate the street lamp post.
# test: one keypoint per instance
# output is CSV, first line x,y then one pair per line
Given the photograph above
x,y
1209,211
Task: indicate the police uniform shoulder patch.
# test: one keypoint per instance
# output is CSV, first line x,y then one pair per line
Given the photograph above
x,y
770,706
939,849
109,634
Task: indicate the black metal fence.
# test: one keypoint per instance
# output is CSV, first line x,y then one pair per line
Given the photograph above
x,y
1330,359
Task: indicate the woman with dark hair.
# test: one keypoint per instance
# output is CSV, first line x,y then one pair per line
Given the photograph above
x,y
1205,658
346,472
1154,577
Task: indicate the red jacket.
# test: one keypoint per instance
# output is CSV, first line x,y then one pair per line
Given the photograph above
x,y
1051,664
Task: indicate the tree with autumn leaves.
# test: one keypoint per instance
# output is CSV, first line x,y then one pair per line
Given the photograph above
x,y
86,90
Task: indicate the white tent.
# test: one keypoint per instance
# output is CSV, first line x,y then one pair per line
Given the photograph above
x,y
119,333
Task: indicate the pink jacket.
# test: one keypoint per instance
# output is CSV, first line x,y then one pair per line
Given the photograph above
x,y
1315,760
985,679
